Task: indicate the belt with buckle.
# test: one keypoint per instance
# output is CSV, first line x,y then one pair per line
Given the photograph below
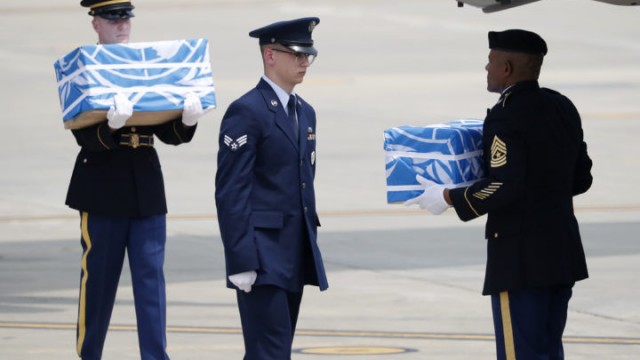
x,y
136,140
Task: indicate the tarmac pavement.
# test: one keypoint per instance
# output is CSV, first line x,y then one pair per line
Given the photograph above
x,y
403,284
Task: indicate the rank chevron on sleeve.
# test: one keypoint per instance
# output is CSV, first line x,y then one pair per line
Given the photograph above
x,y
236,144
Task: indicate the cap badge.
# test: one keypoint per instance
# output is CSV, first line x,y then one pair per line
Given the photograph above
x,y
312,25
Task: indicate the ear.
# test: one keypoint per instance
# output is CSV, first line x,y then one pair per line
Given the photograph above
x,y
95,24
508,68
267,55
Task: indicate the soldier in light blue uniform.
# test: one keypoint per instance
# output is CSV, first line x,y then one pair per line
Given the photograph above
x,y
265,193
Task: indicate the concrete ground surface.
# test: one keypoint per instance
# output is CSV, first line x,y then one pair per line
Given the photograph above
x,y
403,284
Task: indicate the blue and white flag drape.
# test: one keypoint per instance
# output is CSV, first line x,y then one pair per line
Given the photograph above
x,y
449,153
155,76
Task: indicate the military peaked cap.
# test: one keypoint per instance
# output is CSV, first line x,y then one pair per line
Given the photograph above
x,y
295,34
518,41
109,9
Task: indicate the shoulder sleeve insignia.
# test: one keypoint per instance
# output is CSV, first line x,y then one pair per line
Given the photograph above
x,y
236,144
498,152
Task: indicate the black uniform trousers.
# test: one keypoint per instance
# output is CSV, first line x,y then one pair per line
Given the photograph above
x,y
529,323
105,239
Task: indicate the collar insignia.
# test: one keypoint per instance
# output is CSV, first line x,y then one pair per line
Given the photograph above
x,y
504,99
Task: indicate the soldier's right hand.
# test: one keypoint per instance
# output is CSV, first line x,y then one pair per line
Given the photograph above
x,y
119,112
432,199
244,280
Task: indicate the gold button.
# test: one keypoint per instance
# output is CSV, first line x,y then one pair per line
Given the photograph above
x,y
133,129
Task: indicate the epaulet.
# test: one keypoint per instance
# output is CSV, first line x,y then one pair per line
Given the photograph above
x,y
550,90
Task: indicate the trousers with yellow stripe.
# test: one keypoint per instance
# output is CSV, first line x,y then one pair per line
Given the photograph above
x,y
529,322
105,241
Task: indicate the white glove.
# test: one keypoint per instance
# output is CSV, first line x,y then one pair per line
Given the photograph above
x,y
119,112
244,280
192,110
432,199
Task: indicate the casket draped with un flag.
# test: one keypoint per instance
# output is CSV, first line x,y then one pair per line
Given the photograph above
x,y
154,76
449,153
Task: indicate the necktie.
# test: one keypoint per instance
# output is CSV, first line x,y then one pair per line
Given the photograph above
x,y
291,109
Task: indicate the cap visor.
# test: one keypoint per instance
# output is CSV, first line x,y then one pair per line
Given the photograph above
x,y
304,49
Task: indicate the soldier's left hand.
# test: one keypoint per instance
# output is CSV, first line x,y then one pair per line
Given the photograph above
x,y
432,199
192,110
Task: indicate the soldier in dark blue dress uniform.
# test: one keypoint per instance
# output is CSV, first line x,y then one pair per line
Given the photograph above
x,y
117,187
536,161
265,193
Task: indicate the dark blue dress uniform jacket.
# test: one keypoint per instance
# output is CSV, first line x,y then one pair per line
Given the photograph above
x,y
265,194
115,180
535,162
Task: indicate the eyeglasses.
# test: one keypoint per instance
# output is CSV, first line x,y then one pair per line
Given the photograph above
x,y
300,57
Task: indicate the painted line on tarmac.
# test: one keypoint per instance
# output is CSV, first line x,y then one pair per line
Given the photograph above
x,y
331,214
593,340
353,350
